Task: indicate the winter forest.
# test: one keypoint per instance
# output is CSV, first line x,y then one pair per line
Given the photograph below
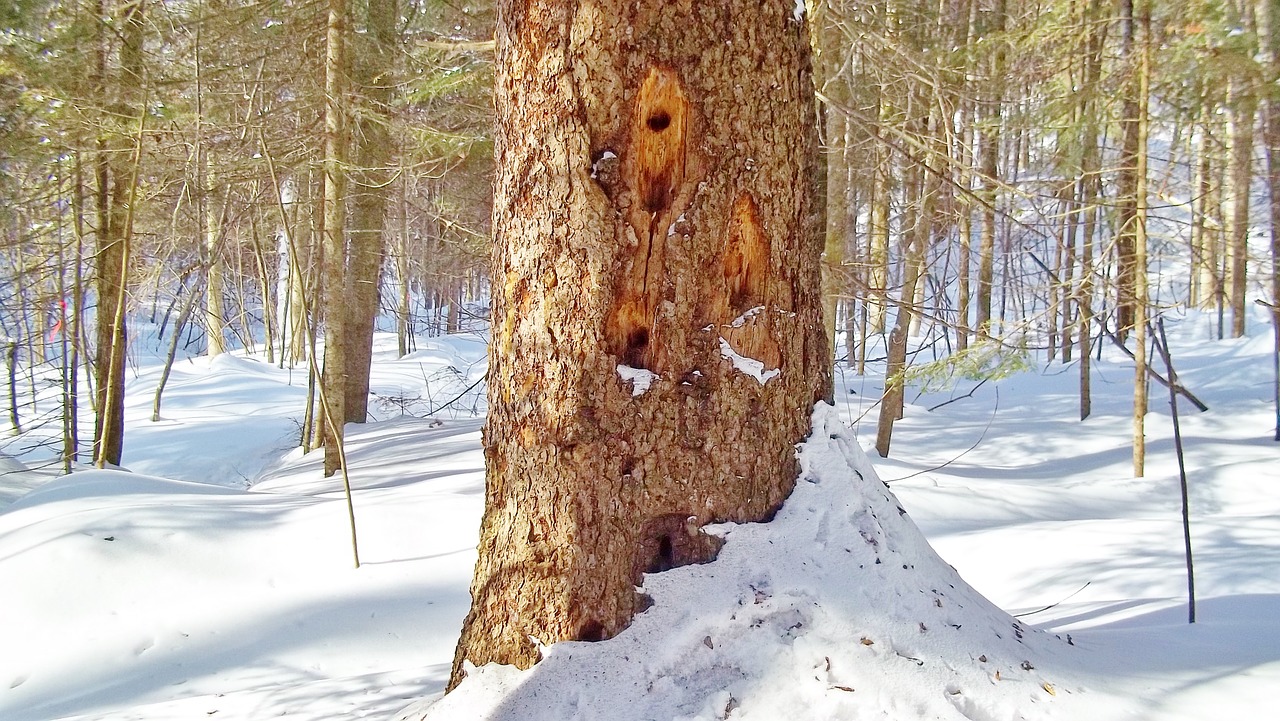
x,y
639,359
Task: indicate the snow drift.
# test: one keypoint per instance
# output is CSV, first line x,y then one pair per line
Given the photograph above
x,y
838,608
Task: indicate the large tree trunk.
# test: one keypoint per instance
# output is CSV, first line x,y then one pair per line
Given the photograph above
x,y
653,228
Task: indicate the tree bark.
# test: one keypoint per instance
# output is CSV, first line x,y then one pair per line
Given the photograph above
x,y
300,258
1127,179
1140,291
1242,114
368,221
653,221
1090,197
989,149
891,403
1268,16
333,377
214,285
117,174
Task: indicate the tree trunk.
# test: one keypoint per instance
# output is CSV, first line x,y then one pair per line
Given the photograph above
x,y
404,327
368,221
964,228
118,171
1127,181
892,400
300,257
333,379
73,318
1203,233
266,273
1090,198
989,148
1140,292
1268,15
653,227
214,324
1242,114
878,245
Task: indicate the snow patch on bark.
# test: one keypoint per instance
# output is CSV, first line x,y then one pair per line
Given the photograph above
x,y
748,366
640,379
605,157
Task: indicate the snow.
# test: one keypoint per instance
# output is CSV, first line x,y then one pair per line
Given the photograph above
x,y
747,366
640,379
604,157
215,580
838,608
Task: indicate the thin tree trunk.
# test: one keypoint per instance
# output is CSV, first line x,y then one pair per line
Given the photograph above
x,y
1242,114
1127,180
404,329
1268,15
989,150
1202,263
118,171
71,327
1090,198
334,374
302,262
265,274
373,150
188,306
964,229
11,375
1140,292
891,403
878,244
215,326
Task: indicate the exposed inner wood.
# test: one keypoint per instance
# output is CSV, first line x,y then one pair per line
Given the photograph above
x,y
654,173
748,315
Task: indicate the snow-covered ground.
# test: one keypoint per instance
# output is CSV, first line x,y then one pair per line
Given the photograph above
x,y
216,580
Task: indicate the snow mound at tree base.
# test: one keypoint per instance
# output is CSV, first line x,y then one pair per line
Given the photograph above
x,y
836,609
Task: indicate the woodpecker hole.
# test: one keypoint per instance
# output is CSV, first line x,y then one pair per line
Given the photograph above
x,y
591,630
664,559
637,344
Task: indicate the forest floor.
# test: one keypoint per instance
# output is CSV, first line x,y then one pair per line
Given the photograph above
x,y
215,579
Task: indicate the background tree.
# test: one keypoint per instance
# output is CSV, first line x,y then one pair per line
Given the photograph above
x,y
374,70
117,166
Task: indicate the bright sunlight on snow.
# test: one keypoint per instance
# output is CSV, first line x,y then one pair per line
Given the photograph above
x,y
215,579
